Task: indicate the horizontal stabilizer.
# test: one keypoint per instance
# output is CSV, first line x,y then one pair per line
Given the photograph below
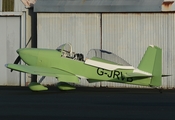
x,y
166,75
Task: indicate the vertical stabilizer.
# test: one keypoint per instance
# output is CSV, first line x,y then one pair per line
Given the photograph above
x,y
152,63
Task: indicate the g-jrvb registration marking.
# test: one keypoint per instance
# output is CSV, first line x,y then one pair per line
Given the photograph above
x,y
113,74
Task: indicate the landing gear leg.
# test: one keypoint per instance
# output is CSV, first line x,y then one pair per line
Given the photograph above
x,y
34,86
41,79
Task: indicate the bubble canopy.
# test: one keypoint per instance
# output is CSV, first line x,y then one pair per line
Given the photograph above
x,y
106,55
93,54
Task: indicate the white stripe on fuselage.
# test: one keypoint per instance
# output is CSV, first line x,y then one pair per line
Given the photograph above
x,y
142,72
111,67
106,66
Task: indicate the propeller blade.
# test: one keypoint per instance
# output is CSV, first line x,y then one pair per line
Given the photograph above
x,y
19,58
17,61
41,79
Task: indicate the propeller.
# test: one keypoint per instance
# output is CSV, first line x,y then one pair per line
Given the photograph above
x,y
18,59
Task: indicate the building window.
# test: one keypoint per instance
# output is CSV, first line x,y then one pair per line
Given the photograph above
x,y
7,5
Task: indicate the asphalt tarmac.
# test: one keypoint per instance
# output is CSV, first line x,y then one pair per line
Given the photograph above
x,y
19,103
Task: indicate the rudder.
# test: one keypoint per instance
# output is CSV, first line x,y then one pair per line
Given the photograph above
x,y
152,63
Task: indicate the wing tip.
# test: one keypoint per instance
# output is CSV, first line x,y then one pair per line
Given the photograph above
x,y
6,65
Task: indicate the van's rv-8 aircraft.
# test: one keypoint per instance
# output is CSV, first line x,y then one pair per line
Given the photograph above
x,y
100,65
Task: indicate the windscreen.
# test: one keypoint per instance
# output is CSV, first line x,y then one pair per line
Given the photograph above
x,y
66,49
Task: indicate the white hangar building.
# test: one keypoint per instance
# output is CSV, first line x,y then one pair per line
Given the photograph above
x,y
124,27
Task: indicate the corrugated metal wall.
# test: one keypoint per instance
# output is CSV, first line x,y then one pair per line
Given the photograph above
x,y
0,5
12,32
81,30
127,35
19,6
10,41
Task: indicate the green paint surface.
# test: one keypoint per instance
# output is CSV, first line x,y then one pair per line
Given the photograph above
x,y
46,62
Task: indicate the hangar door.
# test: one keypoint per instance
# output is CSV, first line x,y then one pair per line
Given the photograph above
x,y
82,30
10,41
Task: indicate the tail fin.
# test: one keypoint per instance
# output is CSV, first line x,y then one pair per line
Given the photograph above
x,y
152,63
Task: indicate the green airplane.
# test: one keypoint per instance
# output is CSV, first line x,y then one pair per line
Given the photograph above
x,y
100,65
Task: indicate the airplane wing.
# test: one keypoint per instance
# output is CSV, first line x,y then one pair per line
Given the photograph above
x,y
45,71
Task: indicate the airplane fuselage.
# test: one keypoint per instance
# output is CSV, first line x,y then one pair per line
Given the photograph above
x,y
54,59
